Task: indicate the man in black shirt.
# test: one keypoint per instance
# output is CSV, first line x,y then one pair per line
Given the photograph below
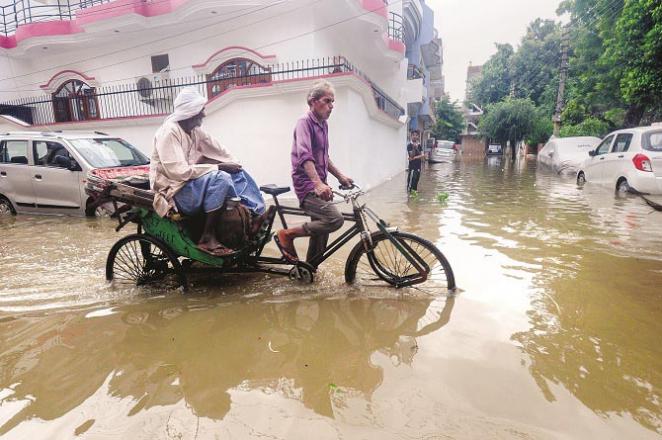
x,y
415,153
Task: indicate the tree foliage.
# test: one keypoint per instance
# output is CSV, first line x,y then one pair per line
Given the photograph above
x,y
512,119
588,127
493,84
450,121
616,60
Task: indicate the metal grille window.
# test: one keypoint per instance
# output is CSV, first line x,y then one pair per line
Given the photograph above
x,y
236,72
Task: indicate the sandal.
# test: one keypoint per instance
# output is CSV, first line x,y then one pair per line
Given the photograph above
x,y
289,255
218,251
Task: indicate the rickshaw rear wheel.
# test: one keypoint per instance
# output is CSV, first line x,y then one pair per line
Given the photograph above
x,y
143,260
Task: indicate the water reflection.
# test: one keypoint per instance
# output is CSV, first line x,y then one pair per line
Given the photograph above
x,y
161,352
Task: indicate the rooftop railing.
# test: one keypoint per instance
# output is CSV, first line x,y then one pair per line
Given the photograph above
x,y
396,30
23,12
154,98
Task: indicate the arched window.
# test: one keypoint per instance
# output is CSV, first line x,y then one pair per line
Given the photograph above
x,y
236,72
75,101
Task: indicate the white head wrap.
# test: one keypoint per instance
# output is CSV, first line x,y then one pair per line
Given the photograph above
x,y
188,103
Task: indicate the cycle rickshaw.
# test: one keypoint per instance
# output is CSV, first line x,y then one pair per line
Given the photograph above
x,y
162,247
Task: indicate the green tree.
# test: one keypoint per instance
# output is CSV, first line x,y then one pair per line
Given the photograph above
x,y
450,121
494,82
510,120
534,68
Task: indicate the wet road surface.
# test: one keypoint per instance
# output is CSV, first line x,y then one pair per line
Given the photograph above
x,y
553,334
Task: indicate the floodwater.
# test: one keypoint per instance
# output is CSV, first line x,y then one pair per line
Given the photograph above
x,y
554,332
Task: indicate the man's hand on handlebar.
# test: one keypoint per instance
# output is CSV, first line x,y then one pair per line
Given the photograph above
x,y
324,192
229,167
346,182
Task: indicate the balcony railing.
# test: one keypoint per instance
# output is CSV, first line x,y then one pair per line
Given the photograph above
x,y
146,98
23,12
396,30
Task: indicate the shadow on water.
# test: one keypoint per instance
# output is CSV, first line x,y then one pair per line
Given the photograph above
x,y
164,351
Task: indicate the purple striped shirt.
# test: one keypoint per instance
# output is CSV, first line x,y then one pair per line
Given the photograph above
x,y
311,142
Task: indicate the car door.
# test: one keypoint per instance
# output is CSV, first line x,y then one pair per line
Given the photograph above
x,y
15,173
618,158
56,188
594,165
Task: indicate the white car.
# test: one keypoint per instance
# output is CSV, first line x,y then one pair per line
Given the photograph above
x,y
565,155
628,160
44,173
443,152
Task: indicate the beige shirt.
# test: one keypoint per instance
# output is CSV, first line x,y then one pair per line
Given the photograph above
x,y
178,158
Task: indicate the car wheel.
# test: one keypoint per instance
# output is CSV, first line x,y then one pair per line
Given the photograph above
x,y
105,209
581,178
623,187
6,208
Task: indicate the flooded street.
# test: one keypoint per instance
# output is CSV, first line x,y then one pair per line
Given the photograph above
x,y
554,332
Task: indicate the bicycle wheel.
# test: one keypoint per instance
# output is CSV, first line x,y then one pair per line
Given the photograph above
x,y
140,260
387,264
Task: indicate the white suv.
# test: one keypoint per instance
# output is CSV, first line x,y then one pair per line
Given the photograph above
x,y
44,173
627,160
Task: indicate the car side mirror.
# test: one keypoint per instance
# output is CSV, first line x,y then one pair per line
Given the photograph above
x,y
591,153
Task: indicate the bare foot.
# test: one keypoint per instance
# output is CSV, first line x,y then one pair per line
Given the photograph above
x,y
286,246
215,249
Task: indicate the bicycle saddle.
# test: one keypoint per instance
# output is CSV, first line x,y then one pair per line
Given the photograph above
x,y
274,190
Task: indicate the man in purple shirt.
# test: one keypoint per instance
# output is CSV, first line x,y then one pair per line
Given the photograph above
x,y
310,167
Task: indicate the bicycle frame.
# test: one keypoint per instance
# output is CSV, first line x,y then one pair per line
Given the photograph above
x,y
359,217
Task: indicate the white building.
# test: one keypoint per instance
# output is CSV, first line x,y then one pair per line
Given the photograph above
x,y
116,65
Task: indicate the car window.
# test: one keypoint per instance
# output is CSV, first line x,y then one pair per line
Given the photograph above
x,y
652,141
14,151
622,143
603,148
104,153
45,153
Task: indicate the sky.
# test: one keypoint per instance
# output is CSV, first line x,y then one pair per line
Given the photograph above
x,y
470,28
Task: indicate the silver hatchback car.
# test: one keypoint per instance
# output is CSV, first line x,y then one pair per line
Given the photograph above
x,y
44,173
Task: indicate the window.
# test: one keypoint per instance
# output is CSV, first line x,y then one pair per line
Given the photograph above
x,y
14,152
622,143
104,153
236,72
160,63
603,148
652,141
75,101
45,153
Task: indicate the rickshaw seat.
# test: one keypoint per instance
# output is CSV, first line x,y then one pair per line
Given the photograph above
x,y
274,190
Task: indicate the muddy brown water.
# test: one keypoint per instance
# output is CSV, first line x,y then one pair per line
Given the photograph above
x,y
554,332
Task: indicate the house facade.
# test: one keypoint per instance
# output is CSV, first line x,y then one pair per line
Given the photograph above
x,y
116,65
425,81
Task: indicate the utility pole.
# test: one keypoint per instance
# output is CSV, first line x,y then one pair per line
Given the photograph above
x,y
556,119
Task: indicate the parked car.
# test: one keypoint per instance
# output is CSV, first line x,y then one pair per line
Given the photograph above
x,y
44,173
443,152
627,160
565,155
494,149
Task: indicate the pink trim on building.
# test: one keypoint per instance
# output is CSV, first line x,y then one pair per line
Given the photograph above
x,y
63,72
242,48
376,6
395,45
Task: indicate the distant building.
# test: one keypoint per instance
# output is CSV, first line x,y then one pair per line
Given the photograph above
x,y
472,142
425,82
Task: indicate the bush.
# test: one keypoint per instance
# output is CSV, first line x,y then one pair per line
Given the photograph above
x,y
588,127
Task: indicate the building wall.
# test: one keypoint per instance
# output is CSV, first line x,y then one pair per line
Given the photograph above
x,y
258,132
473,146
